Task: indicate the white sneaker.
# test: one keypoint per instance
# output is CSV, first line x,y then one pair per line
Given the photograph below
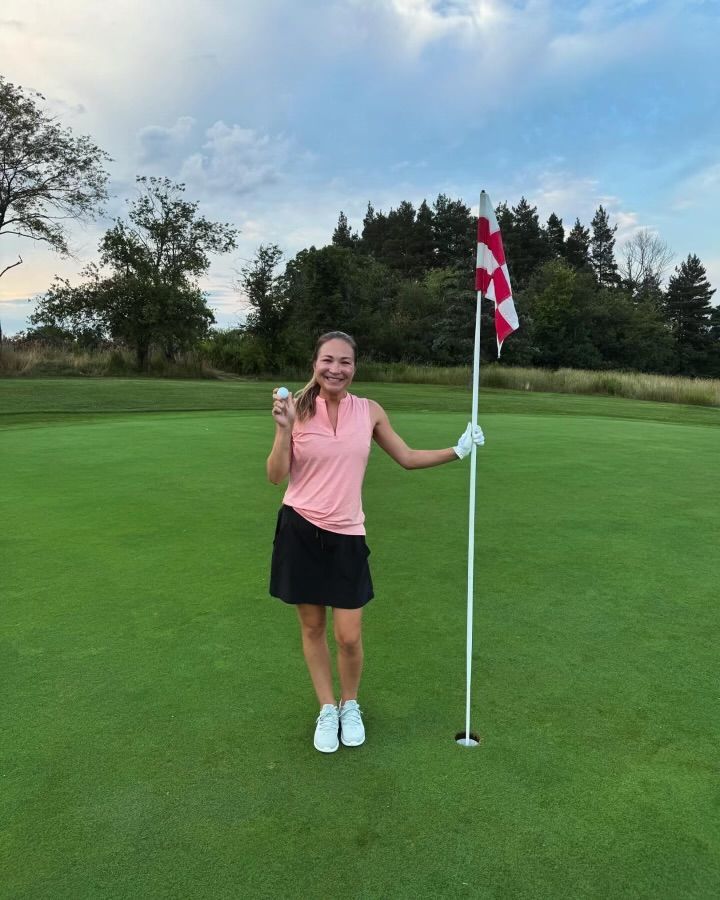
x,y
326,731
352,730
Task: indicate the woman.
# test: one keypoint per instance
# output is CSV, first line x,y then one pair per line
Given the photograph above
x,y
322,441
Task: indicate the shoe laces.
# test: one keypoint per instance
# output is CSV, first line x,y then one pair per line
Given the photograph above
x,y
328,719
350,713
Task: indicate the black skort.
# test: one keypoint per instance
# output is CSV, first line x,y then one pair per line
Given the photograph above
x,y
312,565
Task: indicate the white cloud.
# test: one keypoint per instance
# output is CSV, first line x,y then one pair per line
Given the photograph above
x,y
235,160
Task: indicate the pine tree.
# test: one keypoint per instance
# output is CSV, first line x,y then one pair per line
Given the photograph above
x,y
602,249
555,236
689,311
577,246
525,244
397,250
714,368
454,232
374,233
423,238
343,236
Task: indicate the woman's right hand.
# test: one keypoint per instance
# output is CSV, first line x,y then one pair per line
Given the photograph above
x,y
283,411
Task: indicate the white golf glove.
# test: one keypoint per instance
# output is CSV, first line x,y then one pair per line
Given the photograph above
x,y
469,437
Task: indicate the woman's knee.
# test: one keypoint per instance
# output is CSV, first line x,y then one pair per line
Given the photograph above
x,y
347,625
348,641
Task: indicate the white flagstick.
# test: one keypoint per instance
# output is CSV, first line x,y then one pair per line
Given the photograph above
x,y
469,742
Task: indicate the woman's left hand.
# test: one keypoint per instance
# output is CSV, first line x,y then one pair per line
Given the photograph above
x,y
469,437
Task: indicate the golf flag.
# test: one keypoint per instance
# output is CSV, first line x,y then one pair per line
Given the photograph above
x,y
491,272
491,280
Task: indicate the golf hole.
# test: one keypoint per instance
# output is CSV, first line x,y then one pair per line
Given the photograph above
x,y
472,740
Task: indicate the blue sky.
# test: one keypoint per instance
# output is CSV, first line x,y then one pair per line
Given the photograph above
x,y
279,114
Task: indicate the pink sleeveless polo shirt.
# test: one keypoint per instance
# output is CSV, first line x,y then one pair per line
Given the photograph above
x,y
327,467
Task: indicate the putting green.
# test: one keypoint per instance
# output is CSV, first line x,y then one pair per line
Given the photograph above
x,y
156,712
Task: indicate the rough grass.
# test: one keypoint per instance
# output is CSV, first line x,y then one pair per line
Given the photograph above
x,y
39,361
632,385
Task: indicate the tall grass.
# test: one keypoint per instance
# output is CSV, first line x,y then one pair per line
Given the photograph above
x,y
41,361
38,360
633,385
407,373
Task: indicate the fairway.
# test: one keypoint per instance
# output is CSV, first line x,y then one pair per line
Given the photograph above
x,y
156,713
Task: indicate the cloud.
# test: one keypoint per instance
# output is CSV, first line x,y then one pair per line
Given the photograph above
x,y
235,160
572,196
158,143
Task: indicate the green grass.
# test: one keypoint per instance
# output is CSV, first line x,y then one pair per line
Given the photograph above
x,y
45,400
156,715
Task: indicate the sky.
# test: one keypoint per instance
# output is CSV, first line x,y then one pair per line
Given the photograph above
x,y
277,114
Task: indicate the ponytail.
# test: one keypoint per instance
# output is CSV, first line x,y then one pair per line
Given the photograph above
x,y
305,400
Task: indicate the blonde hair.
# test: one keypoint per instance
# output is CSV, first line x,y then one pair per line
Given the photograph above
x,y
305,398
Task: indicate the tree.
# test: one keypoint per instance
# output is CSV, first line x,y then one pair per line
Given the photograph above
x,y
454,232
374,233
454,333
54,336
627,334
150,296
555,236
264,293
689,312
409,247
602,249
424,252
397,250
48,177
343,236
577,246
644,260
525,245
714,367
335,287
561,299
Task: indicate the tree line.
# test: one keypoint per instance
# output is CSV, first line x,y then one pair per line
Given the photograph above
x,y
403,284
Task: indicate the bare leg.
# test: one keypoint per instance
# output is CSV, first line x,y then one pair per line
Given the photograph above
x,y
315,648
348,636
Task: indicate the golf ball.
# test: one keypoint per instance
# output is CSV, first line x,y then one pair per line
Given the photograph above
x,y
283,393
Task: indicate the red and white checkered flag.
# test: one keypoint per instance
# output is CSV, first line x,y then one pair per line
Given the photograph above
x,y
491,271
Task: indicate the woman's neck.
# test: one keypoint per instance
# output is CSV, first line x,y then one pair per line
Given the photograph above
x,y
332,399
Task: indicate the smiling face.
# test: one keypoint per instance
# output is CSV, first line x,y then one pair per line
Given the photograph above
x,y
334,368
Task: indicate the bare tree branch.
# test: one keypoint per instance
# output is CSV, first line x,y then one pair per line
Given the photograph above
x,y
7,268
645,257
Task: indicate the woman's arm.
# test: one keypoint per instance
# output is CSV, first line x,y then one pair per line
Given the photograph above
x,y
391,442
278,463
